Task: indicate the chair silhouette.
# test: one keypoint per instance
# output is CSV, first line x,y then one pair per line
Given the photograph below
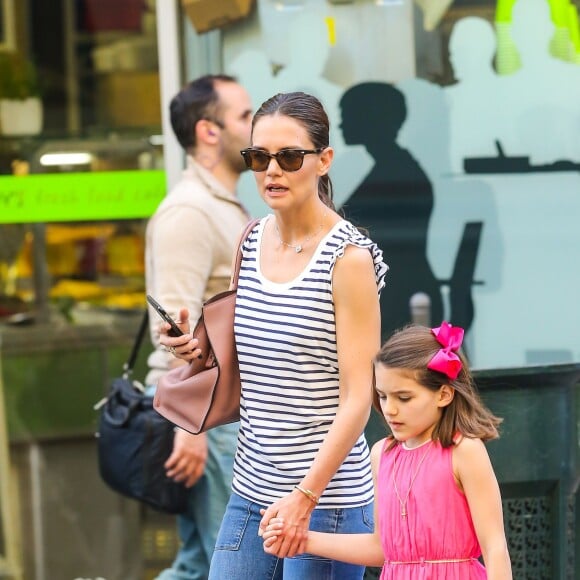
x,y
461,282
459,285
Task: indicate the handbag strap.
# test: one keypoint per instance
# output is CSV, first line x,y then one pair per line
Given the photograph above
x,y
128,366
236,273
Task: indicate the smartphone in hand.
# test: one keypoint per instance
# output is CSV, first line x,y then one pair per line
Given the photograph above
x,y
174,330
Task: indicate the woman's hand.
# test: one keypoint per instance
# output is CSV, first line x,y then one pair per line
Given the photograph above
x,y
184,346
294,511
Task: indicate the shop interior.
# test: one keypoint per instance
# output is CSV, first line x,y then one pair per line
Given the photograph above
x,y
95,84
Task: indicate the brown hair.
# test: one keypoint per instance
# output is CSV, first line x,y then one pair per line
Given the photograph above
x,y
410,349
309,112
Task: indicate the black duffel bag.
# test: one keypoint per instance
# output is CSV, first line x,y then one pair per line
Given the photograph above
x,y
134,441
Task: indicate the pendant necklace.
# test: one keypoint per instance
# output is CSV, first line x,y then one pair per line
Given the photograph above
x,y
299,247
403,502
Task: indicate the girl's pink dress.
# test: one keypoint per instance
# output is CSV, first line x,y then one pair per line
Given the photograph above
x,y
437,527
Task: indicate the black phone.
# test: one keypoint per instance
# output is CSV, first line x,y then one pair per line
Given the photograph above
x,y
174,330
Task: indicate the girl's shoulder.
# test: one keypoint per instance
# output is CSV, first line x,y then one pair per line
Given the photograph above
x,y
471,463
467,451
382,446
464,444
377,452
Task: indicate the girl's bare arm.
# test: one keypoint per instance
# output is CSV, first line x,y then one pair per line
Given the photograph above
x,y
476,477
359,549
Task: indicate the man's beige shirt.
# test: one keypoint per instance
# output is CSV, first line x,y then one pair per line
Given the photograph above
x,y
190,241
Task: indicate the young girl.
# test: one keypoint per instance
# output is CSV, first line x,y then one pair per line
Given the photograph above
x,y
438,505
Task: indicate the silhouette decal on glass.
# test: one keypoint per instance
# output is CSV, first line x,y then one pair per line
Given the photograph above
x,y
394,201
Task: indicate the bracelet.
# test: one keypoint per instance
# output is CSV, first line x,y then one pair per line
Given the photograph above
x,y
310,495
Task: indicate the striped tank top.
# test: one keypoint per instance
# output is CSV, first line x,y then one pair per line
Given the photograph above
x,y
286,342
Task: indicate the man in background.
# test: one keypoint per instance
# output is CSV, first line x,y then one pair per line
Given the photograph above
x,y
190,242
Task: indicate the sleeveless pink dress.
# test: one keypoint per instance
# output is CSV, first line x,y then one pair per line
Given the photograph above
x,y
437,527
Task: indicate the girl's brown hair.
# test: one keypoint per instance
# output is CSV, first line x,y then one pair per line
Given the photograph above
x,y
309,112
410,349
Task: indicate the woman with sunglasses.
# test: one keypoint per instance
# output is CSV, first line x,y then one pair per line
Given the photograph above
x,y
307,327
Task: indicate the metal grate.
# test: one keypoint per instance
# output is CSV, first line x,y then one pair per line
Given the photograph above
x,y
528,526
571,537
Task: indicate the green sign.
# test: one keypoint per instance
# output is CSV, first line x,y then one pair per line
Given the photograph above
x,y
80,196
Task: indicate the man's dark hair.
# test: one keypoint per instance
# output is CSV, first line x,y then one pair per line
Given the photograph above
x,y
196,101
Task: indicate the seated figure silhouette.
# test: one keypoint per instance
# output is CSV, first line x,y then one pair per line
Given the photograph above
x,y
394,201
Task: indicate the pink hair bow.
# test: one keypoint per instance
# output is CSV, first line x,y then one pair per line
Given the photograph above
x,y
445,360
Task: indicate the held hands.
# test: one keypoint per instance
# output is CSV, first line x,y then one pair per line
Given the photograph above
x,y
272,536
290,519
183,347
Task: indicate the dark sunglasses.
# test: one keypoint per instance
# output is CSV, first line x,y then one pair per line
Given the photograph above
x,y
287,159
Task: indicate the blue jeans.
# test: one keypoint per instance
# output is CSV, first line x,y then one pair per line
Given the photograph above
x,y
239,554
198,526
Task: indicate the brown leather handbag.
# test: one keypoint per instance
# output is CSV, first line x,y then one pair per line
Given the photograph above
x,y
206,392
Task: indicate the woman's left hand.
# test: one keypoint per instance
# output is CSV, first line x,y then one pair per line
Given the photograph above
x,y
183,347
294,510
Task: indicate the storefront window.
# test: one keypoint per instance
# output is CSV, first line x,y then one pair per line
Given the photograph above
x,y
79,177
455,128
81,170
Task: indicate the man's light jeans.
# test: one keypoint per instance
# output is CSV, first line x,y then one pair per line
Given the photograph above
x,y
199,525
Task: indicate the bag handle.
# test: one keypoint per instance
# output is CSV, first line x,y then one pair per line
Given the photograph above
x,y
128,366
236,271
122,413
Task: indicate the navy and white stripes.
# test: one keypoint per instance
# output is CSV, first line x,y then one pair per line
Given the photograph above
x,y
286,341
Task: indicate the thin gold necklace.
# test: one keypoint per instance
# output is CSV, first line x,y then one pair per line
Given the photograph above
x,y
299,247
401,501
